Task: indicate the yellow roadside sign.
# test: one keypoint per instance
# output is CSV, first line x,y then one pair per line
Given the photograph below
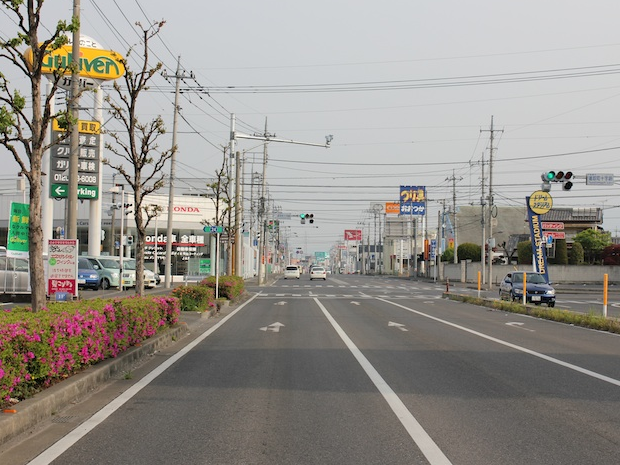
x,y
540,202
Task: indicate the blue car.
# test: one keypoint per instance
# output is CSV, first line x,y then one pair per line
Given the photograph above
x,y
88,277
539,291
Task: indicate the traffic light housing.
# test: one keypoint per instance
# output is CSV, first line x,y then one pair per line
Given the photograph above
x,y
565,177
306,216
303,218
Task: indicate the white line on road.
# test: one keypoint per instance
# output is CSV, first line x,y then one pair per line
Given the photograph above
x,y
579,369
58,448
427,446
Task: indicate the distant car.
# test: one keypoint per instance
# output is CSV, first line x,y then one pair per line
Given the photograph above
x,y
318,272
539,291
291,271
129,274
88,277
108,268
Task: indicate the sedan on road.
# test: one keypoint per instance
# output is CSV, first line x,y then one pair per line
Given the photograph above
x,y
291,271
538,290
318,272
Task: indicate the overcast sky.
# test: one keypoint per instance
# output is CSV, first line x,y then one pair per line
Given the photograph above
x,y
407,88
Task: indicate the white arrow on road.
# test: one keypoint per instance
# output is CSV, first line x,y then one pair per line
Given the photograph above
x,y
354,302
519,325
282,302
275,327
398,325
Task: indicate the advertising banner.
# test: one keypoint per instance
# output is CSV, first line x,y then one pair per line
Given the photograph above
x,y
352,234
62,266
538,243
412,200
17,239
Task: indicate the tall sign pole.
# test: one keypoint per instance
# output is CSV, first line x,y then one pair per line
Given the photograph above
x,y
72,196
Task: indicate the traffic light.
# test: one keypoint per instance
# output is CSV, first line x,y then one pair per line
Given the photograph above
x,y
303,218
557,176
310,217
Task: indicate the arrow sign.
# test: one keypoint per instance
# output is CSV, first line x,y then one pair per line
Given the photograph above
x,y
354,302
282,302
519,325
274,327
397,325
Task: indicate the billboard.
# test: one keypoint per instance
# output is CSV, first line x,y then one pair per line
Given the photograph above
x,y
352,234
412,200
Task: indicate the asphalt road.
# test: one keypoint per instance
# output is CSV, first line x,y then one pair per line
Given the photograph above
x,y
354,370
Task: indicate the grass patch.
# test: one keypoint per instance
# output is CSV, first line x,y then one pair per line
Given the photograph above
x,y
592,319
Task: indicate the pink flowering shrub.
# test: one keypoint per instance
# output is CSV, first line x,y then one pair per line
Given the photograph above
x,y
229,287
39,349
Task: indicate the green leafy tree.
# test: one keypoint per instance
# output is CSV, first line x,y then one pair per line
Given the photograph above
x,y
561,253
593,242
524,253
469,251
575,254
25,114
448,255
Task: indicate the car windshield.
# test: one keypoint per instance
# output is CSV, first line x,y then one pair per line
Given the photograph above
x,y
110,263
533,278
318,269
291,268
129,264
84,264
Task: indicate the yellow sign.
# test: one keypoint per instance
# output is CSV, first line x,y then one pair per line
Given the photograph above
x,y
94,63
540,202
84,127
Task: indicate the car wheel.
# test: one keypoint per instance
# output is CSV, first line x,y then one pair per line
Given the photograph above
x,y
324,279
105,284
551,304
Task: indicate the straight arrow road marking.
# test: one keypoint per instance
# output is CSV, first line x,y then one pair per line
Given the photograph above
x,y
354,302
274,327
398,325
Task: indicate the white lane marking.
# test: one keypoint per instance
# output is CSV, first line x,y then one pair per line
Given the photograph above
x,y
516,324
570,366
397,325
427,446
59,447
273,327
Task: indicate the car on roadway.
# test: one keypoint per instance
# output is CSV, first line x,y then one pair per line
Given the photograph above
x,y
538,290
88,277
318,272
14,274
291,271
129,274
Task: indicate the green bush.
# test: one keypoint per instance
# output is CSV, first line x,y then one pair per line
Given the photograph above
x,y
229,287
575,254
469,251
448,255
561,253
195,298
524,253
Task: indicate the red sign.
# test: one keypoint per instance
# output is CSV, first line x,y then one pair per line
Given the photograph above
x,y
62,266
555,234
352,234
557,225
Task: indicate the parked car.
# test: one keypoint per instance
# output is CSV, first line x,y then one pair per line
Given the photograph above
x,y
129,273
14,275
88,277
109,270
539,291
318,272
291,271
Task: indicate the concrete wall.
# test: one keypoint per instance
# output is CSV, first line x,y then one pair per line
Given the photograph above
x,y
565,274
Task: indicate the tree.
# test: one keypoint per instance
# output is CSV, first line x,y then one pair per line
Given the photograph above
x,y
561,253
469,251
137,143
448,255
220,188
575,254
24,121
611,255
524,253
593,242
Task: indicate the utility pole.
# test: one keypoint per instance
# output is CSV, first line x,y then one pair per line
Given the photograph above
x,y
74,155
454,228
492,132
266,137
483,225
168,263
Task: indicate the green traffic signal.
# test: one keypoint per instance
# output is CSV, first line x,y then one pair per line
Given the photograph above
x,y
302,215
550,175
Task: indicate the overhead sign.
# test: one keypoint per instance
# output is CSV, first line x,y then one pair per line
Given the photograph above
x,y
599,179
352,234
412,200
96,65
540,202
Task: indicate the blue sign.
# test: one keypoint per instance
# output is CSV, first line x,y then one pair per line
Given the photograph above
x,y
412,200
433,248
538,244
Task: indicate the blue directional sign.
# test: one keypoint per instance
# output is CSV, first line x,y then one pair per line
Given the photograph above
x,y
213,229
